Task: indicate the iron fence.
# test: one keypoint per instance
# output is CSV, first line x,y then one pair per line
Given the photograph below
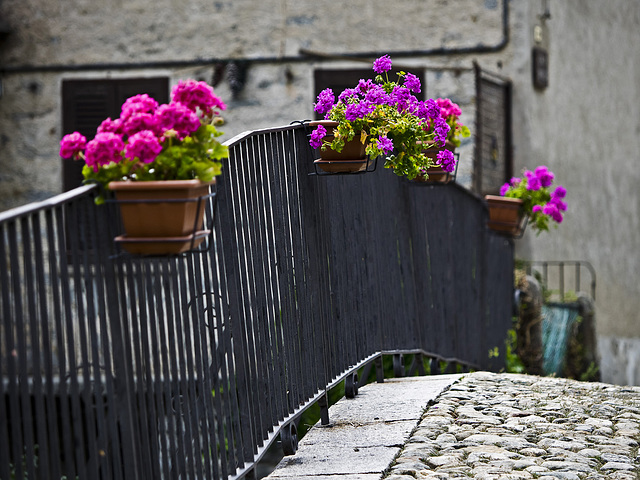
x,y
118,366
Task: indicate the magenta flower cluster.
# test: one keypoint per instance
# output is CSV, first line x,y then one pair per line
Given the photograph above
x,y
446,160
535,191
144,127
448,108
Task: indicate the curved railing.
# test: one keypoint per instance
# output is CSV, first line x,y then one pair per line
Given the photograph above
x,y
191,366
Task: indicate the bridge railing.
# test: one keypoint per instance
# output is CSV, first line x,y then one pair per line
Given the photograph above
x,y
119,366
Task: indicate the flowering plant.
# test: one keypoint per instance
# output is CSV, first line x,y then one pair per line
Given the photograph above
x,y
451,113
540,204
389,120
175,141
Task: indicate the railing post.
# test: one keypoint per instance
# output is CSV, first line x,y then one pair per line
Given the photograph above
x,y
324,409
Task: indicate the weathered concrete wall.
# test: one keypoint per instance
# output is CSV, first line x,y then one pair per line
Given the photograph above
x,y
584,126
53,41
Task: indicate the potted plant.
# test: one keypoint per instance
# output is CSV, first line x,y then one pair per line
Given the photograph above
x,y
527,199
451,112
157,152
382,118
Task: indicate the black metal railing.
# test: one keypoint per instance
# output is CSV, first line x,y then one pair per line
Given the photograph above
x,y
562,278
117,366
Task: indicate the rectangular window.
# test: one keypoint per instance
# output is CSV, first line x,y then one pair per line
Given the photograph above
x,y
339,79
86,103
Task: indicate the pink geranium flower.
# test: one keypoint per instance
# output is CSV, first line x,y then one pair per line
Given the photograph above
x,y
197,95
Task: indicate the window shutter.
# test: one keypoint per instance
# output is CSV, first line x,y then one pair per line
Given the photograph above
x,y
86,103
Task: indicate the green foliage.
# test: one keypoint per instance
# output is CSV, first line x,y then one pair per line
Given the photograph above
x,y
513,363
512,360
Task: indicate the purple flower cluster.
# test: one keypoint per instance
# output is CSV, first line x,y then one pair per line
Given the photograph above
x,y
534,189
326,99
382,64
317,135
446,160
144,126
384,144
372,102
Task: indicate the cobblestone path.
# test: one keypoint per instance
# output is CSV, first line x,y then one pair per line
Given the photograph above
x,y
503,426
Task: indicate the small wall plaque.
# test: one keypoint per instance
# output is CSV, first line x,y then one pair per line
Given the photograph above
x,y
540,65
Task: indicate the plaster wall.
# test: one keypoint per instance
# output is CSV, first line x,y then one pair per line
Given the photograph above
x,y
585,127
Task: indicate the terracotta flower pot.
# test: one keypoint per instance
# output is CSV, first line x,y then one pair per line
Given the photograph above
x,y
352,158
505,215
161,217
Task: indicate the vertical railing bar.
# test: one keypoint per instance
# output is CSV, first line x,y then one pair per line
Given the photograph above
x,y
217,365
127,358
23,324
561,279
88,335
289,284
240,379
33,372
165,378
111,444
5,450
295,276
294,165
274,158
194,362
577,279
244,246
44,448
174,380
153,399
96,256
275,294
265,413
226,377
136,343
257,282
206,386
184,379
283,276
312,207
268,414
10,315
62,321
52,424
305,308
87,348
74,434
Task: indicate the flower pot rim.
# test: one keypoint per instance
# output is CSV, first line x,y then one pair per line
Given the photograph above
x,y
499,198
325,123
154,184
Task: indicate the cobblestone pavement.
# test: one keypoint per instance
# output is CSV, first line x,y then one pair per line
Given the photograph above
x,y
503,426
